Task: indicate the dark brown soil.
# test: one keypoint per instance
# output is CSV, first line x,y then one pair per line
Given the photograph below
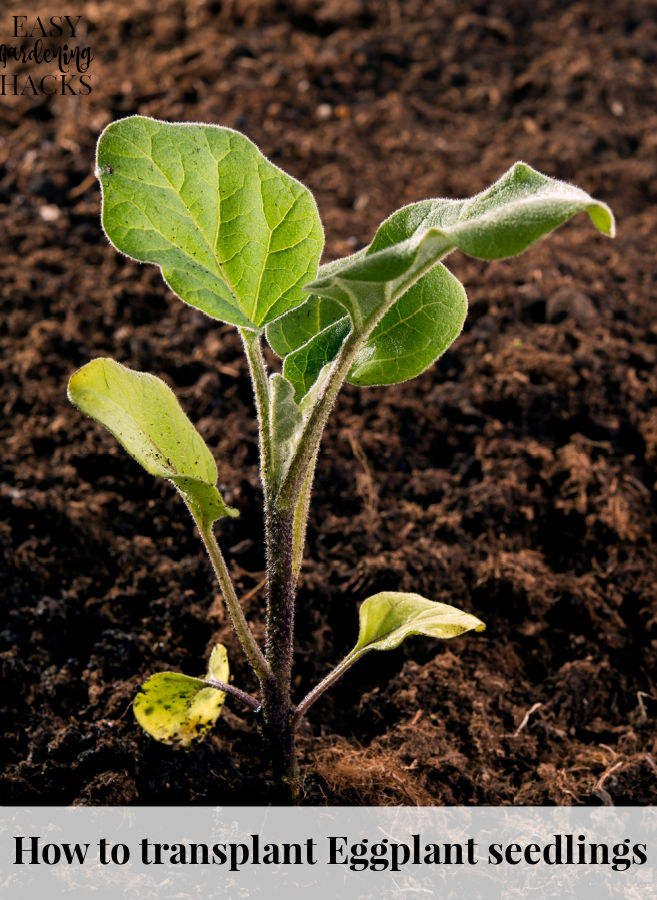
x,y
515,479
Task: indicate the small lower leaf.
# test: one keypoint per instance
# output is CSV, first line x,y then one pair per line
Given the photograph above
x,y
179,709
388,618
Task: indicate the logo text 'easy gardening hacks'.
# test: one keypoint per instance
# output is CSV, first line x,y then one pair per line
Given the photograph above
x,y
45,56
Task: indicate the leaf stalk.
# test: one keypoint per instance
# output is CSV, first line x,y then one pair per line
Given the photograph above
x,y
247,699
330,679
249,644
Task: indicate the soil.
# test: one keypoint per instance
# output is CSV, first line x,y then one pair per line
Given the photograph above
x,y
515,479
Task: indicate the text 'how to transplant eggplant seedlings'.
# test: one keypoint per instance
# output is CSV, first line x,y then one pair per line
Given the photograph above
x,y
239,239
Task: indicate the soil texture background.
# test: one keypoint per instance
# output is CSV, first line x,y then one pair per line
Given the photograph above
x,y
515,479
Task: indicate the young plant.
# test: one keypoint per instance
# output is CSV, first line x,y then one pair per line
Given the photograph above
x,y
239,239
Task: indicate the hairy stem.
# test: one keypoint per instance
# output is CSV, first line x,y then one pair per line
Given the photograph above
x,y
301,511
276,704
302,462
323,686
249,645
281,580
287,516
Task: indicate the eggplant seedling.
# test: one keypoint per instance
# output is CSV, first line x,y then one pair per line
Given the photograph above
x,y
239,239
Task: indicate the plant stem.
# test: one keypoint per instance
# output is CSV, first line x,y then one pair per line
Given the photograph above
x,y
286,516
323,685
301,517
234,691
276,704
281,579
248,642
308,447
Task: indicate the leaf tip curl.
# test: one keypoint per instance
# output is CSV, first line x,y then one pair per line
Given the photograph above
x,y
603,218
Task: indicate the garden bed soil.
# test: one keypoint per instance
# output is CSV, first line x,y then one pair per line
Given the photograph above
x,y
515,479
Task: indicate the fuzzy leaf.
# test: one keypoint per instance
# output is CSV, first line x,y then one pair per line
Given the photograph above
x,y
302,367
142,412
503,220
388,618
178,709
303,323
233,235
285,423
288,417
415,331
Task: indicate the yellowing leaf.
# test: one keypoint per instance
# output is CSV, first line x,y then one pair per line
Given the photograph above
x,y
178,709
218,664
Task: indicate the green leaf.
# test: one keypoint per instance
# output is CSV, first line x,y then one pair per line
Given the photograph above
x,y
501,221
288,418
415,331
178,709
302,324
388,618
302,367
142,412
307,338
233,235
286,421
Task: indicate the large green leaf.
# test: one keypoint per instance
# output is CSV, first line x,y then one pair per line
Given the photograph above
x,y
142,412
501,221
178,709
388,618
233,234
415,331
